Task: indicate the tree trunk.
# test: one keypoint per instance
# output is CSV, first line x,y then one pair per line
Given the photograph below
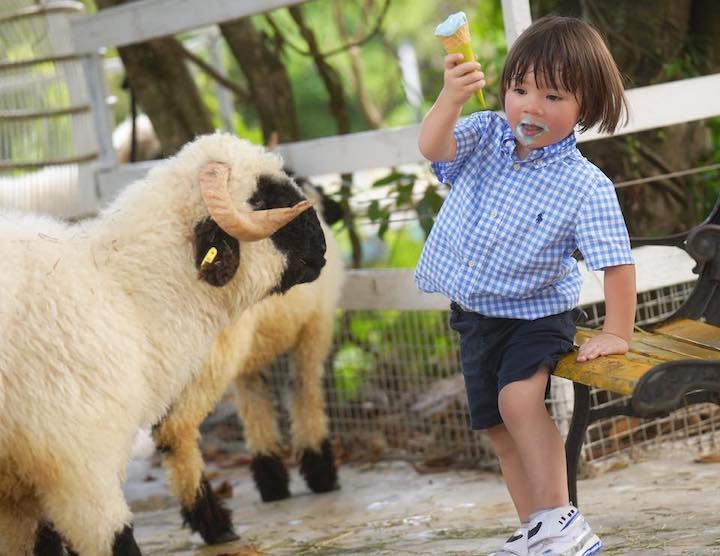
x,y
268,81
338,108
706,26
645,37
164,87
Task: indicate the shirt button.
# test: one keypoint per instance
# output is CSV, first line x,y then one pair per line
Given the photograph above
x,y
494,214
516,166
471,263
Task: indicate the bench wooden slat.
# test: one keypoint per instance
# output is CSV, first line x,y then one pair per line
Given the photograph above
x,y
683,339
617,373
668,348
693,343
697,333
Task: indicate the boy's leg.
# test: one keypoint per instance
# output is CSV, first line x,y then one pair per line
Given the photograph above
x,y
559,530
513,471
537,441
516,481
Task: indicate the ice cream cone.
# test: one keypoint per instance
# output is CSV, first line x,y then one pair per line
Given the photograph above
x,y
459,42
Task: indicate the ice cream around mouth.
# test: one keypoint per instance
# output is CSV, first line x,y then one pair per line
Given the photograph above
x,y
528,130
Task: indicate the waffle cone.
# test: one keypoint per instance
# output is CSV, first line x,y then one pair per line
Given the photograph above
x,y
457,40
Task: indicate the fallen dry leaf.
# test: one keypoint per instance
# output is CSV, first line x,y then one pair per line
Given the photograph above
x,y
249,550
709,458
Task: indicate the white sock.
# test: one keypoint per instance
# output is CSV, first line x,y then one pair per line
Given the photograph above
x,y
539,512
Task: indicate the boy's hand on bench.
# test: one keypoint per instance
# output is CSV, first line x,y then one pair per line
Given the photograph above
x,y
604,343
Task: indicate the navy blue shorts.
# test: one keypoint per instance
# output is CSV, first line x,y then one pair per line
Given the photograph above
x,y
497,351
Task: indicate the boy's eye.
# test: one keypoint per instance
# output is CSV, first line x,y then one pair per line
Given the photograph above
x,y
519,90
553,97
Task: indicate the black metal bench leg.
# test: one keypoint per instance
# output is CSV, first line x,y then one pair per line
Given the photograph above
x,y
576,436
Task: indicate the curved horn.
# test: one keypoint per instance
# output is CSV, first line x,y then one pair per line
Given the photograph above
x,y
244,226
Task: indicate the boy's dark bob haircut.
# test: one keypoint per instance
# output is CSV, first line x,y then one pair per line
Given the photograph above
x,y
569,54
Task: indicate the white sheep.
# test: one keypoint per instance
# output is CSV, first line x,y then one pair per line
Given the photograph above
x,y
105,322
147,143
300,322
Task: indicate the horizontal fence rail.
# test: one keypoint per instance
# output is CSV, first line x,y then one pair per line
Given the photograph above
x,y
394,289
396,146
150,19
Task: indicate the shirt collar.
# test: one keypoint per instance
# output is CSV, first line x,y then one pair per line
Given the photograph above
x,y
559,148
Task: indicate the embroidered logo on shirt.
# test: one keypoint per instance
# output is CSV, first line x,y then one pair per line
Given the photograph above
x,y
539,218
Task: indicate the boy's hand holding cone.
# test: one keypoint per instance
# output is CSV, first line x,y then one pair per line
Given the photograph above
x,y
454,33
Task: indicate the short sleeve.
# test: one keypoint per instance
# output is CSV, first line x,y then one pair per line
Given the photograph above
x,y
600,230
468,133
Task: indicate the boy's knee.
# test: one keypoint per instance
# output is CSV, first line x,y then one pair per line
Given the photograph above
x,y
522,399
513,411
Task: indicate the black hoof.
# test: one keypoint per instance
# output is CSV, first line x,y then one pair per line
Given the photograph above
x,y
47,541
319,469
271,477
125,544
209,517
226,536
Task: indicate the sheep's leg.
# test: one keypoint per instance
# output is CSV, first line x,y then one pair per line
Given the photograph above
x,y
89,510
309,420
263,438
48,542
201,509
177,437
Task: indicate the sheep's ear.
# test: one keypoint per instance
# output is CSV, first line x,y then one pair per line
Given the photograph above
x,y
217,254
331,209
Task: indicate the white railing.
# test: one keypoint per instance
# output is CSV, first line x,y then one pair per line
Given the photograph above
x,y
692,99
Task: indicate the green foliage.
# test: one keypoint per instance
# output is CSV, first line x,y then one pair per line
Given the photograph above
x,y
410,197
377,341
711,180
350,367
693,59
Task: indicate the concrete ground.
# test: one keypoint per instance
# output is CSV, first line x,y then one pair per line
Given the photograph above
x,y
664,505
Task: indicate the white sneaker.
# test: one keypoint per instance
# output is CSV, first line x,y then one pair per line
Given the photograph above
x,y
562,532
516,545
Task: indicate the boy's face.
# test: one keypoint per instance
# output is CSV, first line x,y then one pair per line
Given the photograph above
x,y
538,114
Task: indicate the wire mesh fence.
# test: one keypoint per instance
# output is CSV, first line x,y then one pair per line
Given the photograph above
x,y
48,144
394,390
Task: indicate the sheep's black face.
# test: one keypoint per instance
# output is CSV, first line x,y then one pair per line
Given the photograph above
x,y
302,240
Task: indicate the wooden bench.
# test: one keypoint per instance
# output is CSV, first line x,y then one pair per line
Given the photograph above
x,y
672,364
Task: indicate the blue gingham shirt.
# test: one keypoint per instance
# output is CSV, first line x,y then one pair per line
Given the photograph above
x,y
503,240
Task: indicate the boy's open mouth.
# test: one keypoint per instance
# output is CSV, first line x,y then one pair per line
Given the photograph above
x,y
531,130
527,130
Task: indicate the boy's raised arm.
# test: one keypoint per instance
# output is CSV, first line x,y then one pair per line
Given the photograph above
x,y
437,141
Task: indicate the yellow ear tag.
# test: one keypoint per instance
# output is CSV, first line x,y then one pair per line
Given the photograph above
x,y
208,258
